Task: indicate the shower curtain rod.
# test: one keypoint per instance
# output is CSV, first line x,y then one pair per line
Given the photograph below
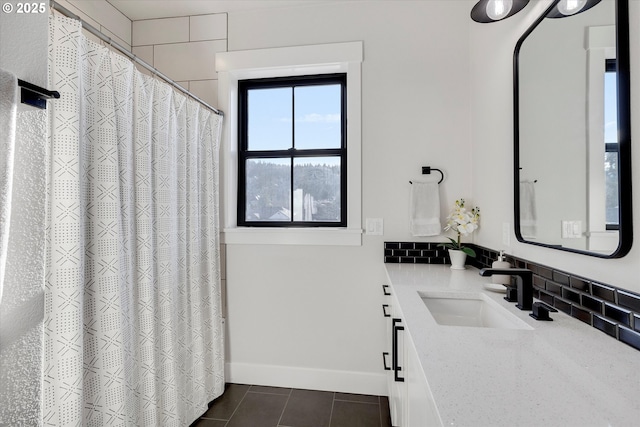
x,y
134,58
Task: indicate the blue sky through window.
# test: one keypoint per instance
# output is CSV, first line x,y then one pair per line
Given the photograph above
x,y
266,128
610,108
317,117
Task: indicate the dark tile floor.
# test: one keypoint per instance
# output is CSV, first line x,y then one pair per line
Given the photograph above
x,y
258,406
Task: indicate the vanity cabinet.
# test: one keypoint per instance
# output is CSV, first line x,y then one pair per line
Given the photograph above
x,y
410,401
503,377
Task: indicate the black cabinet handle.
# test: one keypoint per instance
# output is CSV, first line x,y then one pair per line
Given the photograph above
x,y
384,290
394,359
384,310
384,361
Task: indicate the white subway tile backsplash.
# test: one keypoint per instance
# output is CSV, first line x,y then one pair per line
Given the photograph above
x,y
207,90
208,27
189,61
161,31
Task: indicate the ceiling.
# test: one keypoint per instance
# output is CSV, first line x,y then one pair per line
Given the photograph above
x,y
150,9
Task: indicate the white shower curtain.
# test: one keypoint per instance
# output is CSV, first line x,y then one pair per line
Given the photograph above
x,y
133,326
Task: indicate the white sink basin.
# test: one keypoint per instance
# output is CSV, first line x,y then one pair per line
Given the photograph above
x,y
474,310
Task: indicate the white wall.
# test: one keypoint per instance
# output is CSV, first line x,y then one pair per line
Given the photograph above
x,y
310,316
23,51
491,48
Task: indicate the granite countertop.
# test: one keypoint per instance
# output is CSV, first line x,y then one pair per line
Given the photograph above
x,y
560,373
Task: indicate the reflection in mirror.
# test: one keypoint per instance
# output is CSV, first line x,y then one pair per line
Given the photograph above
x,y
565,8
572,137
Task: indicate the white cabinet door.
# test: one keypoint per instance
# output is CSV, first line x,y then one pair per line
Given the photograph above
x,y
386,358
398,391
421,408
394,358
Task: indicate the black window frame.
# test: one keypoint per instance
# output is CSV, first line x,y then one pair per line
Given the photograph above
x,y
245,154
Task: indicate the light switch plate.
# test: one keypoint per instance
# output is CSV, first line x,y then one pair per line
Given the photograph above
x,y
374,226
571,229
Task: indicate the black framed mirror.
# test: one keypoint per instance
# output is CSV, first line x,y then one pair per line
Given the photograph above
x,y
572,131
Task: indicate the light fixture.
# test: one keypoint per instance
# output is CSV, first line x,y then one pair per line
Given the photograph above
x,y
486,11
570,7
499,9
566,8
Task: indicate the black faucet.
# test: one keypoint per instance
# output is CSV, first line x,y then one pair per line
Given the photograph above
x,y
524,283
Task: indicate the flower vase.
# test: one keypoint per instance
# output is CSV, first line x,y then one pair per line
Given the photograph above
x,y
458,259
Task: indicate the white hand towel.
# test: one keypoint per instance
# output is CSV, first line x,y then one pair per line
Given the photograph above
x,y
8,106
528,209
425,208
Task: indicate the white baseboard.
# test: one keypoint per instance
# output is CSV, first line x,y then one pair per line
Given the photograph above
x,y
307,378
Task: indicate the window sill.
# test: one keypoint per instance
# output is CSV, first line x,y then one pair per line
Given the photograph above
x,y
292,236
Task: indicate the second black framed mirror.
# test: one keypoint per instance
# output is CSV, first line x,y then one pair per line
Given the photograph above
x,y
572,131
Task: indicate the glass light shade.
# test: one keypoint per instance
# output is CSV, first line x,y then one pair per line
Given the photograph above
x,y
488,11
498,9
571,7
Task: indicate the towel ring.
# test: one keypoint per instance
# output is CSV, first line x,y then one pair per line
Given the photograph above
x,y
426,170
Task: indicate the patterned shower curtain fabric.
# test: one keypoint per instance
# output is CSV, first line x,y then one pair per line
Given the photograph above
x,y
133,325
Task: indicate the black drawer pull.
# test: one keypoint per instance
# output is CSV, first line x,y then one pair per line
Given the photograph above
x,y
384,290
394,360
384,310
384,361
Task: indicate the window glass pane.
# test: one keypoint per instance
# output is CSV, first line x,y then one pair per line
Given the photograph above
x,y
268,190
316,183
611,187
611,157
269,119
610,107
317,115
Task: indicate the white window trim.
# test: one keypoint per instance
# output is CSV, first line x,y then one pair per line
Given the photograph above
x,y
600,45
286,62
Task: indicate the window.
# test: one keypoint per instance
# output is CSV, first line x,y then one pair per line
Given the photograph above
x,y
611,145
271,63
292,151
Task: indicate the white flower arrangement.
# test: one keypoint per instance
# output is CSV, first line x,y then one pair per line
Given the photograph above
x,y
463,222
